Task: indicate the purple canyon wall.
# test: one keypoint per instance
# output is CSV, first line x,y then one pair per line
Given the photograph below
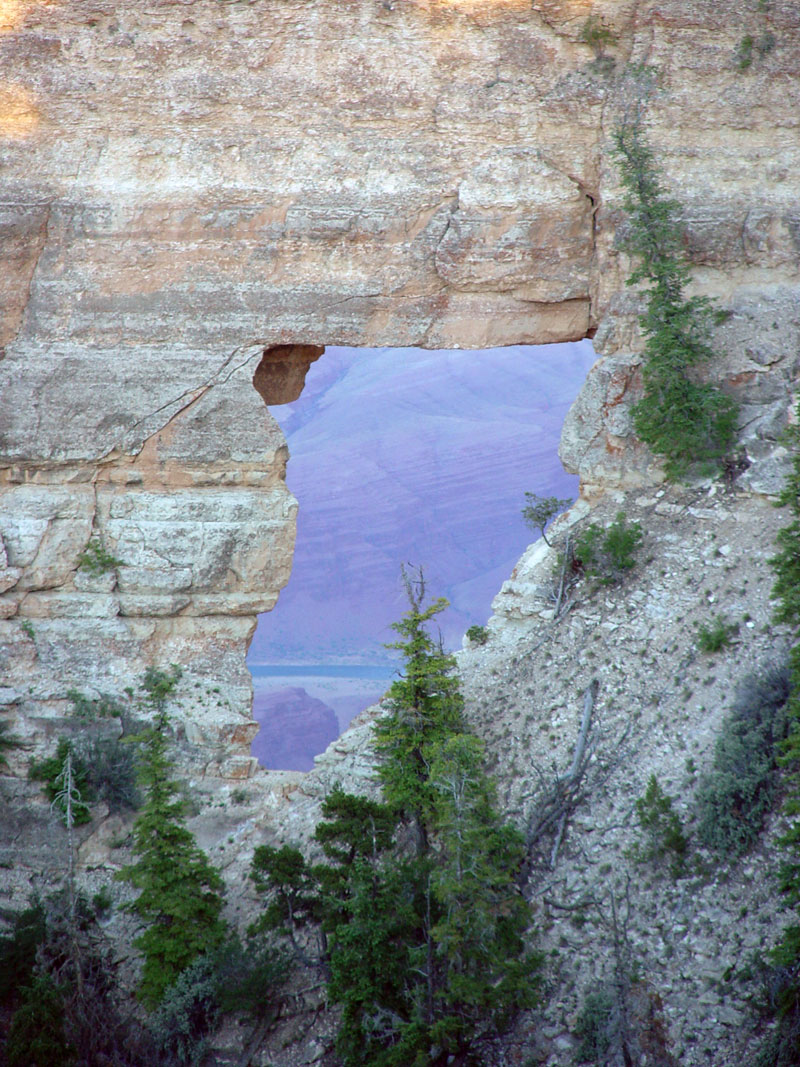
x,y
188,184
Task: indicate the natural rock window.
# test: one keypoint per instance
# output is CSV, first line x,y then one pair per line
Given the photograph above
x,y
397,456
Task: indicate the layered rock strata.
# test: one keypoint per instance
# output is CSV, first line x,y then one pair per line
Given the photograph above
x,y
188,184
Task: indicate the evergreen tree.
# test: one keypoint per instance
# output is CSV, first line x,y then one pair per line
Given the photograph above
x,y
180,897
786,564
424,928
539,510
685,421
426,707
484,973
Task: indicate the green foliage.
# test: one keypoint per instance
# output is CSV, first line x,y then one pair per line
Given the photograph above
x,y
90,709
294,901
425,708
716,635
422,926
50,770
180,895
111,772
102,769
102,901
744,52
609,554
786,564
664,840
250,977
234,978
786,591
7,742
591,1027
539,510
478,635
36,1035
159,684
596,35
187,1012
96,560
734,797
684,421
28,929
27,628
57,976
778,998
749,47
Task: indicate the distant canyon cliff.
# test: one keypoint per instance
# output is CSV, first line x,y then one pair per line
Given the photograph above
x,y
197,197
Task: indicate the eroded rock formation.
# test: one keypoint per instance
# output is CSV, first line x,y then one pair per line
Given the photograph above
x,y
187,185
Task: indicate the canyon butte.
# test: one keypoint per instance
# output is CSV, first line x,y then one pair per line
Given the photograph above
x,y
197,197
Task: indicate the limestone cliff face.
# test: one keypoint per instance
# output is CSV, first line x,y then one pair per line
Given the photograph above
x,y
197,196
187,184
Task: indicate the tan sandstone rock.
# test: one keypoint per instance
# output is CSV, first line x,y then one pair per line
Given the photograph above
x,y
196,197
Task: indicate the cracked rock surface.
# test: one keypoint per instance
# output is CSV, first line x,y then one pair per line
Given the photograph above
x,y
186,185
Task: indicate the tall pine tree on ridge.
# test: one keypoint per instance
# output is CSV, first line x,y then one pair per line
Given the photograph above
x,y
425,931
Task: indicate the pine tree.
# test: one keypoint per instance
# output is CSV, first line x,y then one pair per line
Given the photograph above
x,y
786,564
180,897
425,930
485,973
426,706
685,421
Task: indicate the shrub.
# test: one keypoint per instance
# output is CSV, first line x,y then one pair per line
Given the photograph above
x,y
57,974
596,35
717,635
235,978
102,901
664,839
766,43
786,565
96,560
734,797
159,684
591,1027
539,510
92,708
7,742
102,769
18,948
188,1011
49,771
609,554
250,977
744,52
36,1034
112,772
478,635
